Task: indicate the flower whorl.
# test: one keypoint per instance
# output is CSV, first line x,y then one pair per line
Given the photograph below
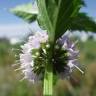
x,y
34,55
27,58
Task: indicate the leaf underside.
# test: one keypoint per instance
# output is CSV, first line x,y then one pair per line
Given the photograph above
x,y
27,12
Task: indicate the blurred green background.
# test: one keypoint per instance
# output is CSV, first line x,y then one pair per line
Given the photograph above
x,y
78,85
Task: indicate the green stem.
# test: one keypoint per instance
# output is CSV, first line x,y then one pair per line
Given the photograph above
x,y
48,81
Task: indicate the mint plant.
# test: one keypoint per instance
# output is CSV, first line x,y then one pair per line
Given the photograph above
x,y
50,53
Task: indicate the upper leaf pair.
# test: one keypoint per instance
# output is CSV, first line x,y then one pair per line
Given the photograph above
x,y
57,16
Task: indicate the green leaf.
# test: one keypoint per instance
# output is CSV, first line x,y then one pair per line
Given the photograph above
x,y
67,10
83,23
28,12
44,19
54,15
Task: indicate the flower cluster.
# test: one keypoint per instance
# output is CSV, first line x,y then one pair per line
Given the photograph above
x,y
27,58
71,55
36,52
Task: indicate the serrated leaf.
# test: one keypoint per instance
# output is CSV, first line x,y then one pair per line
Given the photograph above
x,y
82,23
54,15
28,12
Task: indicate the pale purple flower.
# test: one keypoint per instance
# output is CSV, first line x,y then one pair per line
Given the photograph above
x,y
26,48
27,58
72,52
35,42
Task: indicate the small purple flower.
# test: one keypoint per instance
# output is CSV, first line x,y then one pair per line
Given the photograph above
x,y
27,58
35,54
72,52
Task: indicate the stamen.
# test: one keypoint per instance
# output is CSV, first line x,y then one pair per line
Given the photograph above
x,y
13,49
16,55
37,53
22,79
47,46
73,45
18,69
44,51
13,65
79,69
33,56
